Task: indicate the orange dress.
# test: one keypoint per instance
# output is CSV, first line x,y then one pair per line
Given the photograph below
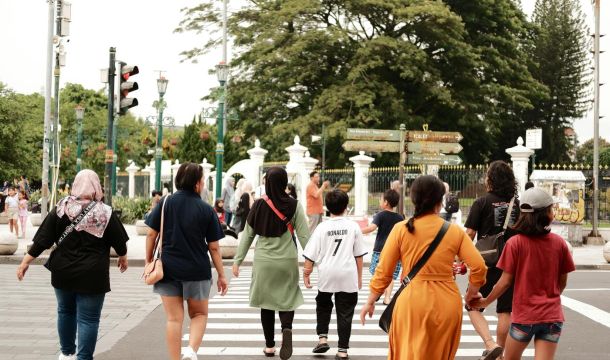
x,y
427,318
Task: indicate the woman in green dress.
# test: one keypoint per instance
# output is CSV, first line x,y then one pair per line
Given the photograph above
x,y
275,270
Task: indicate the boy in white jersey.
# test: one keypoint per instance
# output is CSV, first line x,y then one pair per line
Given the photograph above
x,y
336,246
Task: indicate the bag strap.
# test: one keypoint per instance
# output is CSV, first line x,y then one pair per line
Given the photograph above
x,y
509,213
429,251
75,222
159,246
281,216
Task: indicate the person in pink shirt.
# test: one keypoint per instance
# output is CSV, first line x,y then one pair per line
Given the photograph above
x,y
537,311
23,210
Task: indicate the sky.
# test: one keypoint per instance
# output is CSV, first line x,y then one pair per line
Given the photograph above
x,y
144,37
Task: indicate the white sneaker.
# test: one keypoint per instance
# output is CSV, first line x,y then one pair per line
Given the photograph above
x,y
189,354
67,357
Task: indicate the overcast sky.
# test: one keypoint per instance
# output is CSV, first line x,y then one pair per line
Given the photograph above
x,y
143,34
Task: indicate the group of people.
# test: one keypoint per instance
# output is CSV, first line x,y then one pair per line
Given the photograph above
x,y
527,307
15,207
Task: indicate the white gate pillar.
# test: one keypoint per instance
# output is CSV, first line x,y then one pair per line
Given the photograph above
x,y
175,168
132,169
520,157
257,155
362,164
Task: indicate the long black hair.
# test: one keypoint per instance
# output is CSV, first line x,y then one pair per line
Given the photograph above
x,y
426,193
501,180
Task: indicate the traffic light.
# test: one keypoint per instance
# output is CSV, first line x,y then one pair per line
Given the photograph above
x,y
126,87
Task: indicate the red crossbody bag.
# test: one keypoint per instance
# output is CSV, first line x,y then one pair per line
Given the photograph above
x,y
282,217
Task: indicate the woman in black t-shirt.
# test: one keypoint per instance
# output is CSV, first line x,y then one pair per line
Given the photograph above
x,y
486,217
79,263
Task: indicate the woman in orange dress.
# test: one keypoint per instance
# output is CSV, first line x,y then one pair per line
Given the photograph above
x,y
427,318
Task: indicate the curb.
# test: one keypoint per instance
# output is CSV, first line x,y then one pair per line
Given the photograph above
x,y
16,260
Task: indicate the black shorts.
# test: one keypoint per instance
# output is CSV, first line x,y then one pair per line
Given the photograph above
x,y
504,304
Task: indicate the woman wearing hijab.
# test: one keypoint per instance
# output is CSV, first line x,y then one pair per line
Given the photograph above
x,y
275,270
227,195
79,264
243,206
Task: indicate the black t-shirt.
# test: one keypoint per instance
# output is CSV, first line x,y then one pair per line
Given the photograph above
x,y
385,221
488,213
190,224
81,262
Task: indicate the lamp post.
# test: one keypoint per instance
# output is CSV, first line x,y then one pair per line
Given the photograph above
x,y
80,113
222,71
161,87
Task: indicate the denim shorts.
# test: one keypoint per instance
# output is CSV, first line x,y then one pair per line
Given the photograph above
x,y
375,262
543,331
196,290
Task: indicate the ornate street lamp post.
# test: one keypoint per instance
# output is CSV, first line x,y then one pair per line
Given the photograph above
x,y
80,114
161,87
222,71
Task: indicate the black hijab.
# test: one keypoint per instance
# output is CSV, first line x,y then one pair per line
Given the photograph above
x,y
261,218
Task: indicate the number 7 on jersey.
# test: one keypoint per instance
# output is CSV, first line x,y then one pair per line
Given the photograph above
x,y
338,241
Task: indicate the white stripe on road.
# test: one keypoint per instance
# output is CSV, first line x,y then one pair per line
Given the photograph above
x,y
381,338
371,325
297,316
590,311
301,351
592,289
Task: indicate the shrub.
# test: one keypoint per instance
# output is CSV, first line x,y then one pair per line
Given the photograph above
x,y
131,209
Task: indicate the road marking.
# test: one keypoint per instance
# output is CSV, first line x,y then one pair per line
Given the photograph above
x,y
590,311
313,338
593,289
297,316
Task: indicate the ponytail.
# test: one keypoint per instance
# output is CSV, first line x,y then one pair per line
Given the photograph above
x,y
411,222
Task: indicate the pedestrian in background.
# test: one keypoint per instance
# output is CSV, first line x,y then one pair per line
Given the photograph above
x,y
227,195
191,230
155,198
486,217
275,268
336,247
384,222
243,207
220,211
11,207
23,211
537,311
292,191
427,317
79,264
315,203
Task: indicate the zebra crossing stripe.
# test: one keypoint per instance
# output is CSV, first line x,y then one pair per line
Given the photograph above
x,y
312,338
297,316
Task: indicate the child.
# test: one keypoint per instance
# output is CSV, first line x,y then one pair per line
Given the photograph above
x,y
23,211
383,222
336,247
220,211
11,207
537,311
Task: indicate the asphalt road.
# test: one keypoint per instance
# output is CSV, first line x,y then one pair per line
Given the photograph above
x,y
585,335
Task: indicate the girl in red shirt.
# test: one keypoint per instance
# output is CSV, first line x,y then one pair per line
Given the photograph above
x,y
537,311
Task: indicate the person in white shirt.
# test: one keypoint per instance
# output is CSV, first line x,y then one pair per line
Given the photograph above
x,y
337,248
11,207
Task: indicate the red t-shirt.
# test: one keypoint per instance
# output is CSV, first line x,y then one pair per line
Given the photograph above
x,y
536,264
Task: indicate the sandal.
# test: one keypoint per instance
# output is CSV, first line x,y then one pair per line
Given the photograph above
x,y
492,354
337,357
321,348
269,354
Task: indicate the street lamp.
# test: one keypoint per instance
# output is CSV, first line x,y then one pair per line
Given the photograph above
x,y
80,114
161,87
222,72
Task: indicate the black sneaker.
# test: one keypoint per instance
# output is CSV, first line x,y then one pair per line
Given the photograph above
x,y
321,348
286,349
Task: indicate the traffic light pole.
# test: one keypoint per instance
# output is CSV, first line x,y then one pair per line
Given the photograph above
x,y
109,151
115,156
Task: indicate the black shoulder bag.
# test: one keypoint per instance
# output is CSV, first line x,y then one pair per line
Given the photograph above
x,y
69,229
490,246
385,320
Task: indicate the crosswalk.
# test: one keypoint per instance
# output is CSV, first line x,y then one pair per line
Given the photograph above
x,y
234,328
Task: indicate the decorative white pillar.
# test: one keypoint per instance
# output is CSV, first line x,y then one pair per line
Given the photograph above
x,y
207,170
294,168
150,169
520,157
257,155
132,169
362,164
308,164
175,168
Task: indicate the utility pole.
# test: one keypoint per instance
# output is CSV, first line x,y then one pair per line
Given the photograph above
x,y
222,72
109,151
47,110
595,221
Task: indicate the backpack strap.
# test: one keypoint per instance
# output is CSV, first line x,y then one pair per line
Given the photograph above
x,y
281,216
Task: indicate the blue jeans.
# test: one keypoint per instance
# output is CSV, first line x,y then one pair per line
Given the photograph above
x,y
82,311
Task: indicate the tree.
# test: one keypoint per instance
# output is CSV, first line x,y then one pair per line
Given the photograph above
x,y
584,153
197,142
561,62
374,64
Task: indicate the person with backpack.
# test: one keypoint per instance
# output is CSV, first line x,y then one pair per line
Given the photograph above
x,y
451,203
488,217
537,311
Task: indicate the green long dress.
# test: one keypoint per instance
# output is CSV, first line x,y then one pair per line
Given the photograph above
x,y
275,269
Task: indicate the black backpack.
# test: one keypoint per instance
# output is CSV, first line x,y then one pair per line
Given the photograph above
x,y
452,203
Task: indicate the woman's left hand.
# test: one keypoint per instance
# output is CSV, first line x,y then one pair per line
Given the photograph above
x,y
223,285
21,270
122,263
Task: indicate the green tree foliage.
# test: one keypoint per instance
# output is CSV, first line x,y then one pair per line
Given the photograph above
x,y
584,153
561,62
197,142
300,64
